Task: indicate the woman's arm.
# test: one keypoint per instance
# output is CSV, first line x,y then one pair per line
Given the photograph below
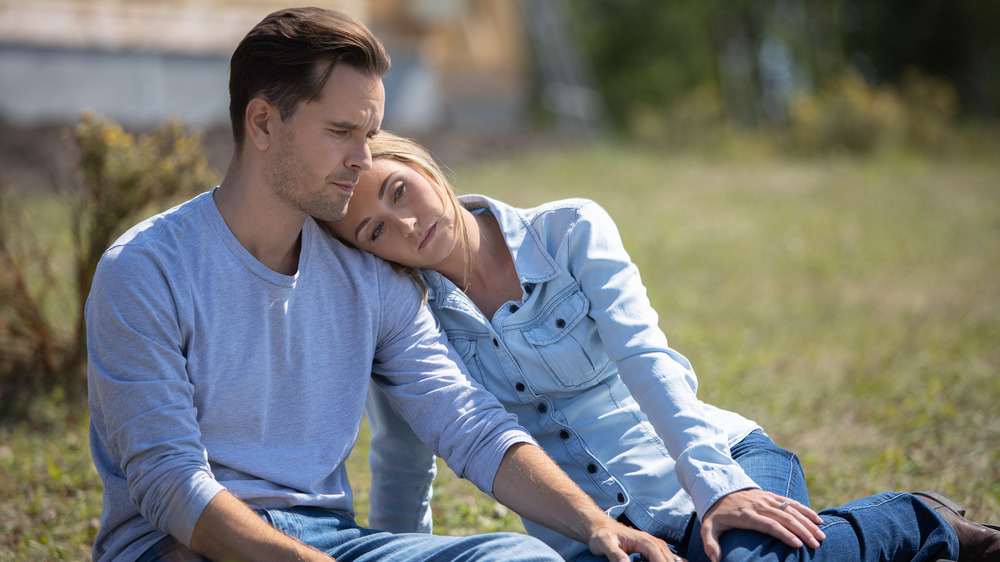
x,y
664,385
402,467
661,380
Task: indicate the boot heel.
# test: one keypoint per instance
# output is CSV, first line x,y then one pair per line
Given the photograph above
x,y
943,500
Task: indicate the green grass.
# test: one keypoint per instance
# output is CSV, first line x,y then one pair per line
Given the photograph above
x,y
851,307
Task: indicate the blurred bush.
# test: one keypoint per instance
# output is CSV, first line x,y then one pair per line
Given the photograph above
x,y
42,331
735,78
848,114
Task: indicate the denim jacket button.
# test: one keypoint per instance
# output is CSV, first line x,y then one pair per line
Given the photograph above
x,y
564,434
528,287
519,386
591,468
560,323
542,408
496,343
621,497
513,308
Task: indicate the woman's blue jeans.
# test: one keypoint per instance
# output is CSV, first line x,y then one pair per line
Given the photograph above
x,y
340,537
887,526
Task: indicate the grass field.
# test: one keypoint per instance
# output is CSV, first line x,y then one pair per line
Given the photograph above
x,y
851,307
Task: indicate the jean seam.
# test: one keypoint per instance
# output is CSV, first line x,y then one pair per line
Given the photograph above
x,y
885,498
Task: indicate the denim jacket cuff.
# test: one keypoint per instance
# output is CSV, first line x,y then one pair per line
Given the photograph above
x,y
713,485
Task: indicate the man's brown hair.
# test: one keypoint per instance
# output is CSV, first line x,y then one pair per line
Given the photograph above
x,y
278,58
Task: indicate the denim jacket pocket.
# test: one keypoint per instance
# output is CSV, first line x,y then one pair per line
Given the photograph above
x,y
566,343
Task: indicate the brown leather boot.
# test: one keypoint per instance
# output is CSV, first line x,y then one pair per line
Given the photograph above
x,y
976,543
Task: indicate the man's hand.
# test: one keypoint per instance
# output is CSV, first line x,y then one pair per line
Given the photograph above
x,y
784,519
616,540
531,484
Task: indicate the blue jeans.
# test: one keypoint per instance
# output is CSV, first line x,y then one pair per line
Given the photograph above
x,y
887,526
340,537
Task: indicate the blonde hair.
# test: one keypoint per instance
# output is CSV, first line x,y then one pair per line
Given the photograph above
x,y
390,146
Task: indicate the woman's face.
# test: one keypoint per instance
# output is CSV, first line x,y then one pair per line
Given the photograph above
x,y
398,214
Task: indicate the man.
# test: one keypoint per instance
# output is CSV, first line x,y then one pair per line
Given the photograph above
x,y
231,342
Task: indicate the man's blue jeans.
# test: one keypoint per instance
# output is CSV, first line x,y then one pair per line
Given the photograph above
x,y
887,526
340,537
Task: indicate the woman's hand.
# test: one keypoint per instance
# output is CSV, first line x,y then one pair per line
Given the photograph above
x,y
783,518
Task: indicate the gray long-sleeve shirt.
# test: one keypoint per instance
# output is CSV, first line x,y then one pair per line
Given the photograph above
x,y
209,371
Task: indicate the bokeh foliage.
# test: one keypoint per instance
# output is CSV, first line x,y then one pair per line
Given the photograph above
x,y
45,277
687,72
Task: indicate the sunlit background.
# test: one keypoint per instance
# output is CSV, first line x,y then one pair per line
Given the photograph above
x,y
833,72
811,189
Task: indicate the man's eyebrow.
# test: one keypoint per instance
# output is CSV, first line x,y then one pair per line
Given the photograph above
x,y
381,193
349,125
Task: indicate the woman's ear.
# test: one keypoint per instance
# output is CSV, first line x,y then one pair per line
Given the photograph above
x,y
259,118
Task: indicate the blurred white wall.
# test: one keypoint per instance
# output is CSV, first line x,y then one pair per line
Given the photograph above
x,y
138,62
455,63
41,85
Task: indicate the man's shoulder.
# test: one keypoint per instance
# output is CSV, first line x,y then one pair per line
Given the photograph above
x,y
359,269
164,239
189,217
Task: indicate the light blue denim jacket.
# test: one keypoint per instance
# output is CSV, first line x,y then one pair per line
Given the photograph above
x,y
583,364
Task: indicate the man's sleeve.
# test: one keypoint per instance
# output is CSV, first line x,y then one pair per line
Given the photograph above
x,y
427,382
141,398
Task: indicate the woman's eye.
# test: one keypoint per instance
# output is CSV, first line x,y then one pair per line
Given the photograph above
x,y
399,192
376,232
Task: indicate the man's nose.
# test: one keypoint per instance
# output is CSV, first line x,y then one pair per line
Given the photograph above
x,y
360,157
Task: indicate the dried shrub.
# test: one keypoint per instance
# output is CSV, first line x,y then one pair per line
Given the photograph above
x,y
123,176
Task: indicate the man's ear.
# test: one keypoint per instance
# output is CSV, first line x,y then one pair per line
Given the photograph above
x,y
260,116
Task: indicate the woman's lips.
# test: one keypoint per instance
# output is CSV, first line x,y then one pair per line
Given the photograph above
x,y
427,236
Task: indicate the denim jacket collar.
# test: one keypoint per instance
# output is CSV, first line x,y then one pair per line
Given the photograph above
x,y
533,264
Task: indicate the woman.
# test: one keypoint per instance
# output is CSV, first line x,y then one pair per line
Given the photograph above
x,y
549,314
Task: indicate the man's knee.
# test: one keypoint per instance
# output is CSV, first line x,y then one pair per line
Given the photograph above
x,y
514,547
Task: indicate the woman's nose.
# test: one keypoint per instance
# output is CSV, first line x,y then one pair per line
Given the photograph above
x,y
407,225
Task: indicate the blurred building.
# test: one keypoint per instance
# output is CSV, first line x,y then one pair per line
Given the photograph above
x,y
456,64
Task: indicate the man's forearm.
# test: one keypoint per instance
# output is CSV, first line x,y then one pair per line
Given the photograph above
x,y
229,530
533,485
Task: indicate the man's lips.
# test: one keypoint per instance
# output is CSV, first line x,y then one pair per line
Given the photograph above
x,y
427,236
345,186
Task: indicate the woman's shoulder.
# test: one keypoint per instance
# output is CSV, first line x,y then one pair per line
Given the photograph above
x,y
565,213
572,204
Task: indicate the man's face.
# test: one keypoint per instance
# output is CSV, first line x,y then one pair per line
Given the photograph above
x,y
321,150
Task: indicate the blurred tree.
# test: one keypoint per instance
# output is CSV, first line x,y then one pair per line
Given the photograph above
x,y
646,54
649,55
958,40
